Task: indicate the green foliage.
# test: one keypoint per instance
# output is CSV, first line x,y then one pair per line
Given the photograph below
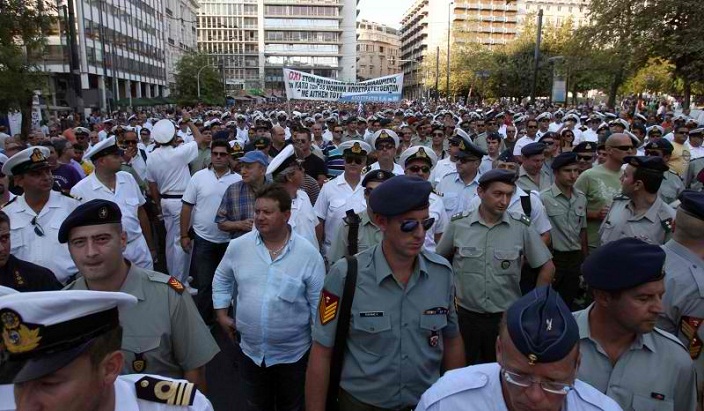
x,y
211,86
654,78
22,27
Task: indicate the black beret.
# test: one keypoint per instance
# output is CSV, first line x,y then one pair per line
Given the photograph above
x,y
551,135
652,163
377,175
94,212
221,135
399,195
533,149
469,149
384,122
261,142
660,144
494,136
623,264
541,326
585,147
563,160
507,156
503,176
692,202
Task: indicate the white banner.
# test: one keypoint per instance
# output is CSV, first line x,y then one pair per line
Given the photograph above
x,y
305,86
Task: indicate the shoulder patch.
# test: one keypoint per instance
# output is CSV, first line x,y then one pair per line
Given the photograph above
x,y
329,304
175,284
435,190
70,196
458,216
621,197
162,391
667,225
9,202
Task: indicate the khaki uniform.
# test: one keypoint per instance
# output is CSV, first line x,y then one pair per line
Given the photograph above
x,y
671,187
396,337
163,334
528,184
368,236
654,227
690,177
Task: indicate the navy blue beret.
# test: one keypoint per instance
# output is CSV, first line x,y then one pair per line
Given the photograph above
x,y
660,144
585,147
507,156
469,149
693,202
652,163
497,174
377,175
94,212
541,326
533,149
399,195
563,160
221,135
623,264
549,134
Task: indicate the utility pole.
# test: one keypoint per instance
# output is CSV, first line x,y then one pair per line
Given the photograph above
x,y
449,33
536,56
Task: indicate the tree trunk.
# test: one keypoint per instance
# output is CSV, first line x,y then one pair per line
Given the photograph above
x,y
26,111
686,92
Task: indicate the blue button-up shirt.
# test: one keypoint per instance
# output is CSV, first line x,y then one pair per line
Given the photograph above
x,y
276,300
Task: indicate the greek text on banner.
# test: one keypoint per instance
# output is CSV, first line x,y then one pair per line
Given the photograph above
x,y
305,86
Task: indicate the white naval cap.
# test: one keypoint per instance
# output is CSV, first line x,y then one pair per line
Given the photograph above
x,y
7,291
418,152
163,131
32,158
355,147
385,135
44,331
283,160
103,148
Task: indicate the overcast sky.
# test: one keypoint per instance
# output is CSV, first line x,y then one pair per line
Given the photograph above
x,y
388,12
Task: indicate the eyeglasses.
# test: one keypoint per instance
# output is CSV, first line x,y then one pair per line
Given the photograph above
x,y
355,160
408,226
525,381
548,143
585,158
415,169
130,142
218,154
623,148
38,230
465,160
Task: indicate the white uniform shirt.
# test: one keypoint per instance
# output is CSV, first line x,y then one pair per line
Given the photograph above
x,y
139,165
522,142
587,135
456,194
398,170
7,397
42,250
242,134
436,211
126,396
127,196
441,169
205,192
335,198
554,126
478,388
168,167
303,219
696,152
187,135
538,217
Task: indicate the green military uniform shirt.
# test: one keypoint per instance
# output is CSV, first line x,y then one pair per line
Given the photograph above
x,y
163,334
671,187
528,184
654,374
396,336
568,217
367,236
654,227
600,185
487,259
690,177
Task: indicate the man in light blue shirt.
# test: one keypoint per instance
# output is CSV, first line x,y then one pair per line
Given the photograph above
x,y
275,276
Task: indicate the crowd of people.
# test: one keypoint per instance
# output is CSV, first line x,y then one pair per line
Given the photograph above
x,y
360,257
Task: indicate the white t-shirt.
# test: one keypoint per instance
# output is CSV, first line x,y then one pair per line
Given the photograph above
x,y
168,167
205,191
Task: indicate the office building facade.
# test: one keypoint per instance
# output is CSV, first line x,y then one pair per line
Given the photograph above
x,y
378,50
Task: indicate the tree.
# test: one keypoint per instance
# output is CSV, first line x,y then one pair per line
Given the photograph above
x,y
211,85
23,24
654,78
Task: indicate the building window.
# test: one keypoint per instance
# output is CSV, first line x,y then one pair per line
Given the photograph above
x,y
381,49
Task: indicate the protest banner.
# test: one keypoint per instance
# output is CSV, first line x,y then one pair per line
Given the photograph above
x,y
304,86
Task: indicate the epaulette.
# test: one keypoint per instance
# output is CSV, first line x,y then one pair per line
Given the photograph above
x,y
521,217
458,216
437,259
9,202
366,169
667,225
621,197
70,196
162,391
435,191
166,279
670,337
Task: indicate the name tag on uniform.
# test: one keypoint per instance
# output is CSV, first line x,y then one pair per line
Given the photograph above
x,y
436,311
365,314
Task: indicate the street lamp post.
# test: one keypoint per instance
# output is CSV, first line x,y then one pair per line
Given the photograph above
x,y
198,78
449,32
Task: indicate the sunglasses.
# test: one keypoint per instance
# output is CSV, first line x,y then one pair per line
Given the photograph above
x,y
531,126
548,143
585,158
415,169
130,142
38,230
454,143
623,148
218,154
465,160
408,226
355,160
